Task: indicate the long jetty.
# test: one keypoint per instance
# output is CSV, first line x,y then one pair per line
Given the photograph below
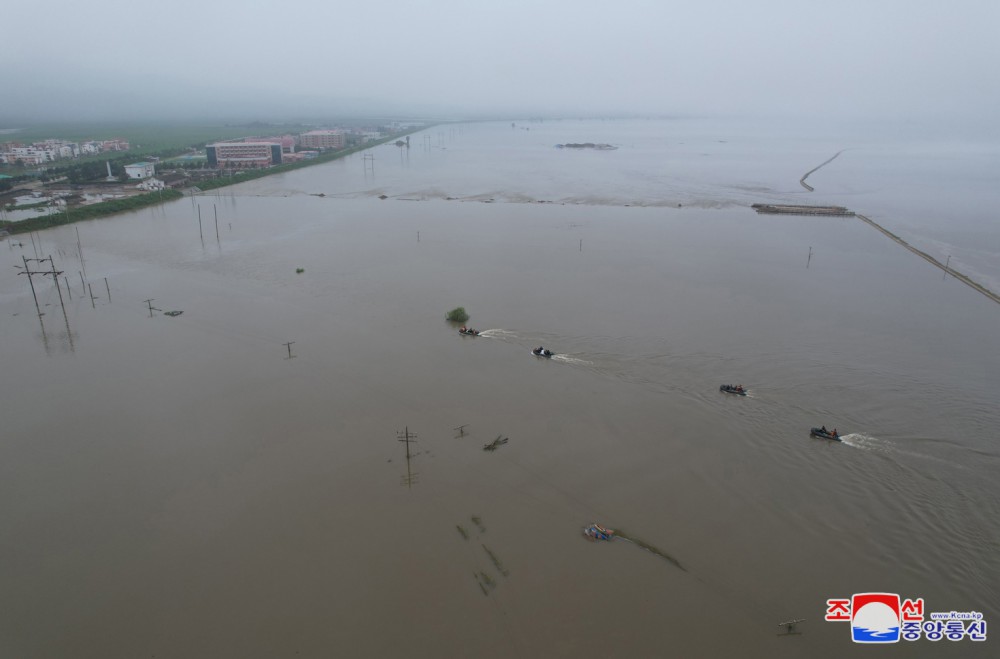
x,y
933,261
802,180
801,209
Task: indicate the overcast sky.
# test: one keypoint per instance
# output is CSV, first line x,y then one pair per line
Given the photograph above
x,y
222,58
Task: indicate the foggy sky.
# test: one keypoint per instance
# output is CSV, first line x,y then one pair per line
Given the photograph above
x,y
112,59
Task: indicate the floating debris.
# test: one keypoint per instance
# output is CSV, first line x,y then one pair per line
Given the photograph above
x,y
299,271
479,524
172,313
496,443
461,529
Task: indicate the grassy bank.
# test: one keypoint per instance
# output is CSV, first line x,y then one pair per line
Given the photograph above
x,y
101,209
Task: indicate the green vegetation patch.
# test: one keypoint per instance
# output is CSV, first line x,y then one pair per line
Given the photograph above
x,y
458,315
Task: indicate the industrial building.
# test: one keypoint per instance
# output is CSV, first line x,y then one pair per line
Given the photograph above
x,y
322,139
243,155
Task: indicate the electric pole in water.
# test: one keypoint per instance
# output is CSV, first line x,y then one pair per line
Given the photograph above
x,y
406,437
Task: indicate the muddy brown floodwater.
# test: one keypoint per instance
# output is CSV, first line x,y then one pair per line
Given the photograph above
x,y
180,487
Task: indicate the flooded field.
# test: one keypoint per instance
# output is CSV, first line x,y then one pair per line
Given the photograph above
x,y
181,487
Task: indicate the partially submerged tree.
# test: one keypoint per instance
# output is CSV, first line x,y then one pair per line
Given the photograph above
x,y
458,315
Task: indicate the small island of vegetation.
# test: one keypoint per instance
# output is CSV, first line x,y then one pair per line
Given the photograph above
x,y
587,145
458,315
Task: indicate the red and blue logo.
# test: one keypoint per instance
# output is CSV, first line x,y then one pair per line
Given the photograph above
x,y
875,618
887,618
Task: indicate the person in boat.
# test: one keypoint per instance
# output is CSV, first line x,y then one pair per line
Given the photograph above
x,y
739,388
834,433
823,428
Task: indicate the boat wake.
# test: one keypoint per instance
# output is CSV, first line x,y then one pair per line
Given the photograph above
x,y
497,334
866,442
566,359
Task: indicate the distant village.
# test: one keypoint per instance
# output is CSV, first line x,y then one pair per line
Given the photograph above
x,y
34,175
39,153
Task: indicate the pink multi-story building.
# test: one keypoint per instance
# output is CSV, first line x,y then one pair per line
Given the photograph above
x,y
322,139
287,142
243,155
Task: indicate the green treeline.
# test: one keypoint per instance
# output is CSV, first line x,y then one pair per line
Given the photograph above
x,y
100,209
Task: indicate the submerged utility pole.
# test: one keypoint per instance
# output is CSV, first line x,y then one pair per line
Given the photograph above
x,y
79,250
289,346
55,277
789,626
406,436
26,270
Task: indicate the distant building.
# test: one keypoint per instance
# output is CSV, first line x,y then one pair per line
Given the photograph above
x,y
243,155
28,155
322,139
398,126
116,144
287,142
140,170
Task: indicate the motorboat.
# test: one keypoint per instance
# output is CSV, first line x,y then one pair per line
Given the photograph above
x,y
823,433
597,532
